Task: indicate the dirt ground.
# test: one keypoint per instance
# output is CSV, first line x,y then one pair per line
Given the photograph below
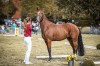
x,y
12,50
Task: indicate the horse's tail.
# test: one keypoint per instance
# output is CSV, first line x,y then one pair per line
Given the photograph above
x,y
80,45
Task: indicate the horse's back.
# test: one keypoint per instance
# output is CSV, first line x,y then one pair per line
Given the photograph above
x,y
72,26
74,31
68,27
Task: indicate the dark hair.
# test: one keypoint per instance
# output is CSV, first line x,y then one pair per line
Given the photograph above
x,y
28,19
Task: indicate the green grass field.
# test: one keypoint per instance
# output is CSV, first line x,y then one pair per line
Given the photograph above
x,y
12,50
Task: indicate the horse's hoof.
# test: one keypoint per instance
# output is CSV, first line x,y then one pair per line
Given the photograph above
x,y
49,61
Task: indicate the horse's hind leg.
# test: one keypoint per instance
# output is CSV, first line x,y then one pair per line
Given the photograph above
x,y
74,46
48,43
73,43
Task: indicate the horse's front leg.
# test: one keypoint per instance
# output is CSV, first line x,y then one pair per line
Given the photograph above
x,y
48,44
49,51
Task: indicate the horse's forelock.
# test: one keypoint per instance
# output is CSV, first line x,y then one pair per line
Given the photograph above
x,y
40,12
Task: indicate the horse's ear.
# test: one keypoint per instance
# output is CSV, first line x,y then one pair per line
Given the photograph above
x,y
37,8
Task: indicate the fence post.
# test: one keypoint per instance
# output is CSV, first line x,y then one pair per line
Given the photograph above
x,y
81,63
16,31
70,59
71,62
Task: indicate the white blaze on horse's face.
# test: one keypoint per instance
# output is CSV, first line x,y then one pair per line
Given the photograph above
x,y
39,16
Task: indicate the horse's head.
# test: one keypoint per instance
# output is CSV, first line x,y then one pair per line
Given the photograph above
x,y
39,16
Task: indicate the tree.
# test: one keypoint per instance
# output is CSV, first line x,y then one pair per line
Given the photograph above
x,y
71,8
88,9
7,9
92,8
30,7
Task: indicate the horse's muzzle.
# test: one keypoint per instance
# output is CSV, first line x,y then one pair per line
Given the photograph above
x,y
38,18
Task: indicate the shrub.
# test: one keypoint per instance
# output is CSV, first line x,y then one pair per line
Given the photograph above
x,y
88,63
98,46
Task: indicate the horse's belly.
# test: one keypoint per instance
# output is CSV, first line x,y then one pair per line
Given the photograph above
x,y
58,38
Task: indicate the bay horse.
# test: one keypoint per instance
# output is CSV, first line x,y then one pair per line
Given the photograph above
x,y
57,32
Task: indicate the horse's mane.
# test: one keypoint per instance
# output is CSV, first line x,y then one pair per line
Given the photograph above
x,y
44,17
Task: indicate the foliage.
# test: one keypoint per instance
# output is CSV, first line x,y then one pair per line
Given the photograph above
x,y
1,14
7,9
98,46
72,8
84,22
30,7
91,7
56,9
88,63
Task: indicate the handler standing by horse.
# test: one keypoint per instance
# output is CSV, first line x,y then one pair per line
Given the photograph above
x,y
27,39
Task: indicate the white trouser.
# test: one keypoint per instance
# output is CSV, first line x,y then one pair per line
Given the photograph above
x,y
28,43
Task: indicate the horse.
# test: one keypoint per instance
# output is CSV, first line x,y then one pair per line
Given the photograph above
x,y
57,32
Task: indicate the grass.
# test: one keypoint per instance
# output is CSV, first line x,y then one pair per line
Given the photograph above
x,y
12,50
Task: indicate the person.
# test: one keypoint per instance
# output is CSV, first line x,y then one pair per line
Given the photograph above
x,y
3,30
6,29
22,28
13,27
92,28
0,29
27,40
35,27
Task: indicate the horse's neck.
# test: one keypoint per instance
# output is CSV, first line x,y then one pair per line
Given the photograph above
x,y
44,23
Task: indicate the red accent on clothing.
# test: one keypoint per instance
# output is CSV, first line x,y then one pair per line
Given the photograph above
x,y
27,31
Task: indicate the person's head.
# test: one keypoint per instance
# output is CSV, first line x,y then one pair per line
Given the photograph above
x,y
13,21
28,20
